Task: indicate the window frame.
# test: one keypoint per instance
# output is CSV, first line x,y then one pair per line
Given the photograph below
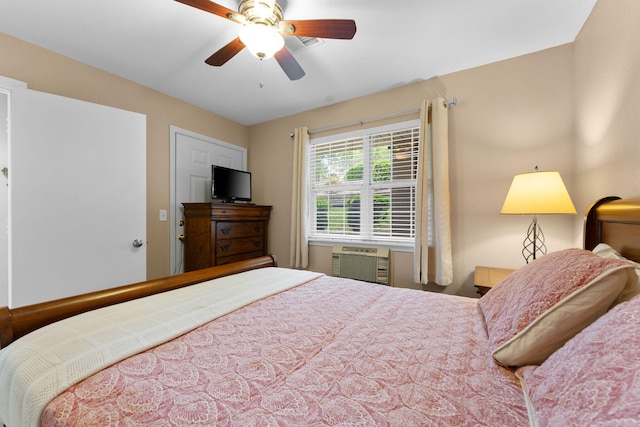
x,y
394,242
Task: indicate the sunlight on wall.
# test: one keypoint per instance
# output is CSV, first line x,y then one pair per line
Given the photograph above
x,y
607,112
600,104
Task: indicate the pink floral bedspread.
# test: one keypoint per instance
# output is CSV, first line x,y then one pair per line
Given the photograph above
x,y
330,352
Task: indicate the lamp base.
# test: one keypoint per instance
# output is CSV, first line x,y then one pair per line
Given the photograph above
x,y
533,244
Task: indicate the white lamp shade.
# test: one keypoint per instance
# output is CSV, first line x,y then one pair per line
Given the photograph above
x,y
262,41
538,193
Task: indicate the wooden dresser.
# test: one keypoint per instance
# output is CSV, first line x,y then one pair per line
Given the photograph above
x,y
220,233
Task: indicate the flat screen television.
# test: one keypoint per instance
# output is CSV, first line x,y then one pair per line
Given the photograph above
x,y
230,185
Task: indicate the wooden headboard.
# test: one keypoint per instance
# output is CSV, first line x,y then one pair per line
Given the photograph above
x,y
19,321
616,222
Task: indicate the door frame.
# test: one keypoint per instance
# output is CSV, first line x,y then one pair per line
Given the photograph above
x,y
173,146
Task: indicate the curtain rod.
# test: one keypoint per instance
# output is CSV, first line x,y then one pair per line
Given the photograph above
x,y
447,103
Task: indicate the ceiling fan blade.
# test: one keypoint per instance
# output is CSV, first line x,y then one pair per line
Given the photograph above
x,y
226,53
321,28
289,64
214,8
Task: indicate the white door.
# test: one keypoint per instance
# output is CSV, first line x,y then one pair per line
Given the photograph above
x,y
77,197
192,157
4,199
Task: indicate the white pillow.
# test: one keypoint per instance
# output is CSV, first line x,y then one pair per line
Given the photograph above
x,y
605,251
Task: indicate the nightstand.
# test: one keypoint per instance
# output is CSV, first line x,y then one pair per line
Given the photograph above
x,y
486,278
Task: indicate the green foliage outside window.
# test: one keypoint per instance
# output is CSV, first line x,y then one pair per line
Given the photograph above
x,y
381,171
322,213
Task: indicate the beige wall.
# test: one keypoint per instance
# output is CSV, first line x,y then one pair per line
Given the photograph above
x,y
607,81
47,71
510,117
574,108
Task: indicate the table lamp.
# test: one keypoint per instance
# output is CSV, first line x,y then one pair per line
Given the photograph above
x,y
537,193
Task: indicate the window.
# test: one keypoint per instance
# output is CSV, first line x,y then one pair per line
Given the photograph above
x,y
362,185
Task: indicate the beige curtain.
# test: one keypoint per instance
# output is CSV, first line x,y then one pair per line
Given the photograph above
x,y
299,245
433,263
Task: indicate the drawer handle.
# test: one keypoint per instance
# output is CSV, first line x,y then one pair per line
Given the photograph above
x,y
257,243
257,228
225,230
225,248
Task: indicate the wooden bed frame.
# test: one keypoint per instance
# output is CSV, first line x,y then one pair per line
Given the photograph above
x,y
612,220
16,322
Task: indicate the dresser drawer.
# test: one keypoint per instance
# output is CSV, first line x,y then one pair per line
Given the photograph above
x,y
236,212
226,247
232,230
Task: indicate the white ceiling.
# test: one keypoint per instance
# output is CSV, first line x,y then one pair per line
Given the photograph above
x,y
162,44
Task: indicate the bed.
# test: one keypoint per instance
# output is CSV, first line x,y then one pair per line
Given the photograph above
x,y
252,344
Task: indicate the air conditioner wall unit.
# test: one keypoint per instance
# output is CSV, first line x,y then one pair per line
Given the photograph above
x,y
355,262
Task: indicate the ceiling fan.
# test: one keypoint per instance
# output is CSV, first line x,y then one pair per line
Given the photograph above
x,y
263,29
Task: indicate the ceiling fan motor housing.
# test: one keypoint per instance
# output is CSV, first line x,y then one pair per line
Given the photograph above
x,y
261,12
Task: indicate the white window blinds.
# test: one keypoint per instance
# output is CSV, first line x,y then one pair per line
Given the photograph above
x,y
363,187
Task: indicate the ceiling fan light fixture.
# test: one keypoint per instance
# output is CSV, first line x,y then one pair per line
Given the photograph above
x,y
262,41
262,32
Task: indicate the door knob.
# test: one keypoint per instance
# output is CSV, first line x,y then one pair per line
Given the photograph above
x,y
137,243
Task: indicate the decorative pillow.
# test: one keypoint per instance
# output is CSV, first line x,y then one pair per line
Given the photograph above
x,y
606,251
594,379
536,309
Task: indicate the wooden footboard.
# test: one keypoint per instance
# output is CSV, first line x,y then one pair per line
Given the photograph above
x,y
17,322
